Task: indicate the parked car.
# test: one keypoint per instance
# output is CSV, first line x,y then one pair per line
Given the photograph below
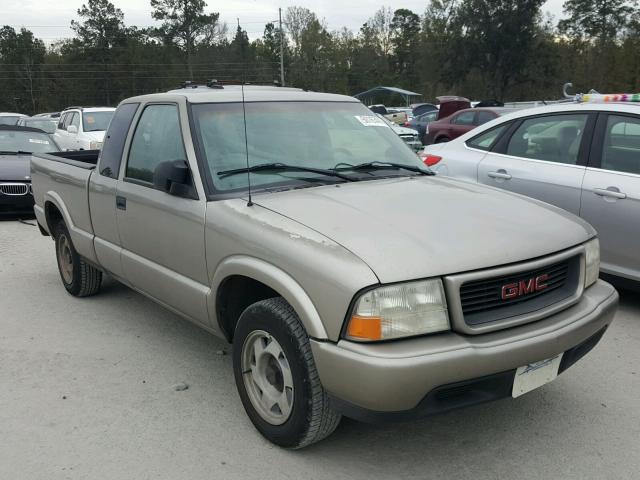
x,y
582,158
408,135
396,116
294,226
48,115
16,146
419,123
83,128
7,118
422,108
448,128
47,125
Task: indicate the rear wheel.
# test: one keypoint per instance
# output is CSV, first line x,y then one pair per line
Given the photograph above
x,y
276,376
442,140
78,277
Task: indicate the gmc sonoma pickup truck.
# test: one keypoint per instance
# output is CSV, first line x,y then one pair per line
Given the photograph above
x,y
349,279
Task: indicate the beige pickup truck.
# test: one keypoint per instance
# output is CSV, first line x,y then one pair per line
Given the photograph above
x,y
349,279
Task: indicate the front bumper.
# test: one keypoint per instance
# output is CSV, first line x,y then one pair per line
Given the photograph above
x,y
16,204
400,378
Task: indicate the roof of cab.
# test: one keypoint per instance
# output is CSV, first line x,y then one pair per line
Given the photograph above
x,y
252,93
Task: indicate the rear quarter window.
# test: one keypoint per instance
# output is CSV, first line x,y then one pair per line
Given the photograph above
x,y
487,139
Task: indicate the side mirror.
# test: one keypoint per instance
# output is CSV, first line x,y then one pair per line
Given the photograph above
x,y
72,129
174,177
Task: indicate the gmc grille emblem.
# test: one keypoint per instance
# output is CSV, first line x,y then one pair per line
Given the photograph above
x,y
524,287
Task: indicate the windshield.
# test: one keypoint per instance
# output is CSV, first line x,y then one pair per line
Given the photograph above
x,y
319,135
7,120
32,142
49,126
96,121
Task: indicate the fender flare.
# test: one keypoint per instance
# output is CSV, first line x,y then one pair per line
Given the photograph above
x,y
82,240
275,278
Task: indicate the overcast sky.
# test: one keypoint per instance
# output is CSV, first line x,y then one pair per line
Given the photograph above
x,y
50,23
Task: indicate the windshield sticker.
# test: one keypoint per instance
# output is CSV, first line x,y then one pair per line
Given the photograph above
x,y
89,119
371,121
38,141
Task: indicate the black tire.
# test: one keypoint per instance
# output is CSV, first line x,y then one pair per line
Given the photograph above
x,y
311,418
85,279
442,140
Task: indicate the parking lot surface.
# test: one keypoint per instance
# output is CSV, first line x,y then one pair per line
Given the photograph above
x,y
87,392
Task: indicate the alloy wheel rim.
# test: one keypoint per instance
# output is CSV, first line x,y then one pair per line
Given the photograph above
x,y
267,377
65,259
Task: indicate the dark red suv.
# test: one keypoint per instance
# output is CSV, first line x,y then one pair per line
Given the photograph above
x,y
460,122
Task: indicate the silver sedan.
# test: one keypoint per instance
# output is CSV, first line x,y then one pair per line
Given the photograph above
x,y
584,158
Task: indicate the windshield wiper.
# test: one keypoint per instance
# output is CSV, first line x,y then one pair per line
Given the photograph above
x,y
14,152
386,166
282,167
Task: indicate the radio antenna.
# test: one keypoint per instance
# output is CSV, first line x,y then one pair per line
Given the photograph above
x,y
246,145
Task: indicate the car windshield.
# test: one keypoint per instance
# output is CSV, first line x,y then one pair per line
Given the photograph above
x,y
96,121
48,126
317,135
7,120
33,142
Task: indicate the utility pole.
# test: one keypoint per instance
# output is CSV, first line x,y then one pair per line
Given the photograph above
x,y
281,48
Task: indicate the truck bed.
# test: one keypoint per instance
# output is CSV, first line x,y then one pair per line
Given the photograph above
x,y
60,184
87,159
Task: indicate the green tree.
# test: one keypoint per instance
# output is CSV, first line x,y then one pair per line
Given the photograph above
x,y
405,39
185,25
21,61
603,20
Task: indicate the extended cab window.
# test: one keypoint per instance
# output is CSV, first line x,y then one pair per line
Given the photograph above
x,y
485,140
157,139
111,154
621,149
555,138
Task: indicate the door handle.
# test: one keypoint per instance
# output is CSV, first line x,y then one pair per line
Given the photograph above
x,y
499,174
609,192
121,202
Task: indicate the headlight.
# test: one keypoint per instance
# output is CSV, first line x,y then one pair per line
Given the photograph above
x,y
93,145
592,262
401,310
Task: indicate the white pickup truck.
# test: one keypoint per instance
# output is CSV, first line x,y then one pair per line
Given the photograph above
x,y
82,128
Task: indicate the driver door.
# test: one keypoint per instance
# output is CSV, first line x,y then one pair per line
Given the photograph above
x,y
162,235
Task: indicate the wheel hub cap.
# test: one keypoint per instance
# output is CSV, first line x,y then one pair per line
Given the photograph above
x,y
65,260
267,377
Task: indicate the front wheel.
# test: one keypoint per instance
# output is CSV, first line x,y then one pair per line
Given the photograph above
x,y
276,376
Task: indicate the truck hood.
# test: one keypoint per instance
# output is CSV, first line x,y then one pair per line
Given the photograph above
x,y
15,168
410,228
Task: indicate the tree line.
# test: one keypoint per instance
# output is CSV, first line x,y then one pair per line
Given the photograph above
x,y
502,49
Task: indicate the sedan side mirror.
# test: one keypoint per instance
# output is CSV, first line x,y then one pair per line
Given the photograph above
x,y
174,177
72,129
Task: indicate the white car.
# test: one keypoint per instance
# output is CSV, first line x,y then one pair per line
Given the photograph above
x,y
584,158
83,128
7,118
408,135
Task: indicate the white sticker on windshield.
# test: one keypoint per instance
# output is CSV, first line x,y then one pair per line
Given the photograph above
x,y
38,141
371,121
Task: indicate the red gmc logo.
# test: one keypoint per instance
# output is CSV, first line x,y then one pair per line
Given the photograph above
x,y
524,287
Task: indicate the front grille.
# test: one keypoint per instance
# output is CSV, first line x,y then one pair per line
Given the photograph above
x,y
482,300
16,189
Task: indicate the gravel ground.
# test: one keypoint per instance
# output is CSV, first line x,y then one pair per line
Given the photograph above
x,y
87,392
